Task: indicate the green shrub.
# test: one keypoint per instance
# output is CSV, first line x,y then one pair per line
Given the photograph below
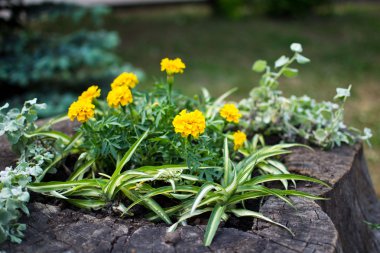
x,y
67,60
287,8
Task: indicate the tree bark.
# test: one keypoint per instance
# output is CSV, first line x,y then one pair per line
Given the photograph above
x,y
334,225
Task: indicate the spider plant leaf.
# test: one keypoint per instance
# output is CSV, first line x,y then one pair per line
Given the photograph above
x,y
88,203
190,177
181,196
165,190
273,170
280,166
73,140
213,223
298,194
259,188
187,216
171,181
226,163
269,178
245,212
156,208
52,134
127,156
57,195
201,194
112,185
237,198
56,186
149,203
154,169
81,170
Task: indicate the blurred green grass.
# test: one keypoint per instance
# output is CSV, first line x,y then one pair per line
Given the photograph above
x,y
344,48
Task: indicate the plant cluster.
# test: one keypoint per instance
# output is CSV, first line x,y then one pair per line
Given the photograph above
x,y
34,155
177,156
292,119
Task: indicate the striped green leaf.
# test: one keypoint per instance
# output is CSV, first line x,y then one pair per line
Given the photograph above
x,y
245,212
81,170
201,194
88,203
213,224
52,134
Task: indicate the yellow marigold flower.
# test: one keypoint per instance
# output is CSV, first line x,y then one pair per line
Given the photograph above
x,y
192,123
172,67
230,113
83,110
125,79
119,96
90,93
239,139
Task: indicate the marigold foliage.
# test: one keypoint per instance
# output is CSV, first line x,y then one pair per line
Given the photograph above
x,y
82,110
239,139
121,95
172,67
230,113
125,79
91,93
192,123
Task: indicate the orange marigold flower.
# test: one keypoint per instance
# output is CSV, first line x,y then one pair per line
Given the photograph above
x,y
83,110
172,67
125,79
239,139
119,96
192,123
230,113
90,93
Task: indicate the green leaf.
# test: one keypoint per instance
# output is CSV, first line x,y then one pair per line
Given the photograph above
x,y
245,212
259,66
127,156
113,183
269,178
213,224
227,165
296,47
203,192
290,72
52,134
281,61
56,186
187,216
79,172
88,203
320,135
342,93
148,203
301,59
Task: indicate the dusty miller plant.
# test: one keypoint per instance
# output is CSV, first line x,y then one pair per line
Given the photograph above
x,y
266,111
34,154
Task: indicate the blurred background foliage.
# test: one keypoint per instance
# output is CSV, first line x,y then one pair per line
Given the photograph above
x,y
55,65
235,9
53,52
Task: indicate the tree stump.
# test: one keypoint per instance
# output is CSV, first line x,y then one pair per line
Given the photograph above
x,y
334,225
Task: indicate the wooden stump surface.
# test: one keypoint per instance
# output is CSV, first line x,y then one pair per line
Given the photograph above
x,y
334,225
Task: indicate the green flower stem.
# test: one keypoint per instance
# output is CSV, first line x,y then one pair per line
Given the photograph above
x,y
279,73
132,118
170,81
